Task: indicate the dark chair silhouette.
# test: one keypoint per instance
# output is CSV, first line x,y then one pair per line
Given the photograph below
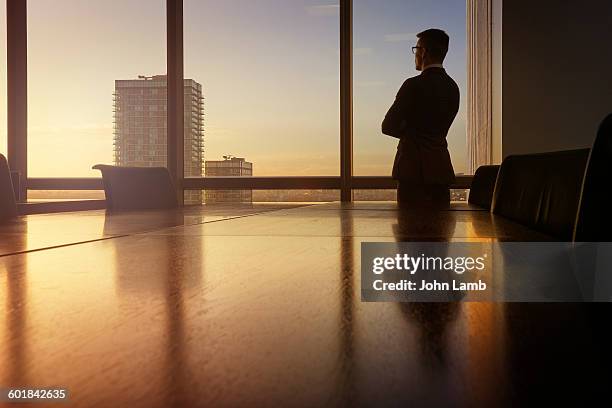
x,y
8,207
541,191
483,185
137,188
594,220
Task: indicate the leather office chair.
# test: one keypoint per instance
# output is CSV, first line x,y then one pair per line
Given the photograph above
x,y
483,185
137,188
8,206
594,220
541,191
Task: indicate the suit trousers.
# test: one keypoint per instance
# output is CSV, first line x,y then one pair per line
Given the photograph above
x,y
423,195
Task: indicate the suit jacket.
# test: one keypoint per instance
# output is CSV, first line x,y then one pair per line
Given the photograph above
x,y
423,111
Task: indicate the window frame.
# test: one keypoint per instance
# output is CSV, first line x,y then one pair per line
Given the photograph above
x,y
346,182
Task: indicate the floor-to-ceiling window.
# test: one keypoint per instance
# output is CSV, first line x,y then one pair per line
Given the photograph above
x,y
261,80
94,95
269,71
383,34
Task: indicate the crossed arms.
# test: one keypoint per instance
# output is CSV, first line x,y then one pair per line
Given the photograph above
x,y
402,111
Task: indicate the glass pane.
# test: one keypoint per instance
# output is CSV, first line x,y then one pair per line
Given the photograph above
x,y
79,55
240,197
302,196
384,32
456,195
64,195
460,195
375,195
269,71
3,124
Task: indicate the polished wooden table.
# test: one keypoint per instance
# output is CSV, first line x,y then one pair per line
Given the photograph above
x,y
260,306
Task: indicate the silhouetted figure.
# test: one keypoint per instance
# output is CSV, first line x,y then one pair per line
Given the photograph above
x,y
423,111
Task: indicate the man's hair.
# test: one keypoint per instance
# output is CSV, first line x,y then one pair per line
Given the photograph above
x,y
436,42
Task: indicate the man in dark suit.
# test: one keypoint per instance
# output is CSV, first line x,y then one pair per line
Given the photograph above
x,y
423,111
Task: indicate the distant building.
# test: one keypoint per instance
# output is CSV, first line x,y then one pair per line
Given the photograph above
x,y
230,166
459,194
140,132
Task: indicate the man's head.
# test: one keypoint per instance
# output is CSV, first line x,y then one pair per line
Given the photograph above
x,y
431,48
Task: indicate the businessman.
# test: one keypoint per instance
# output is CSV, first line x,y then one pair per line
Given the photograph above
x,y
423,111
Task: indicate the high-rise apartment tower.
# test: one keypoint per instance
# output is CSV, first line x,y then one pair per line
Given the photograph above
x,y
140,129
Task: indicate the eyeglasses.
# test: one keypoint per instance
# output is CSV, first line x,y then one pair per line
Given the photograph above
x,y
414,49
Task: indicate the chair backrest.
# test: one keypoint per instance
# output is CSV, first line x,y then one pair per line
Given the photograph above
x,y
137,188
483,185
594,220
541,190
8,207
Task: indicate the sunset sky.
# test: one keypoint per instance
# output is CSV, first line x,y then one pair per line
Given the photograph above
x,y
268,68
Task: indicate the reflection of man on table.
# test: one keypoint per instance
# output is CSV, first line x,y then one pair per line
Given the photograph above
x,y
423,111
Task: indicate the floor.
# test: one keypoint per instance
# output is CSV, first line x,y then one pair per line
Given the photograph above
x,y
259,305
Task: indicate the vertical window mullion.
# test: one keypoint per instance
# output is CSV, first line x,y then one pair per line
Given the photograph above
x,y
346,99
175,139
17,91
